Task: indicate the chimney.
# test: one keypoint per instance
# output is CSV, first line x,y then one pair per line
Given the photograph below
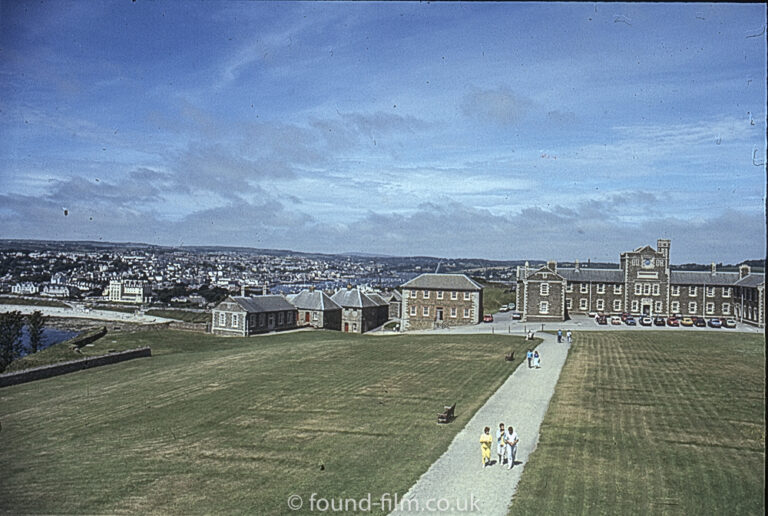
x,y
242,290
349,286
714,268
576,265
311,288
744,270
552,265
265,289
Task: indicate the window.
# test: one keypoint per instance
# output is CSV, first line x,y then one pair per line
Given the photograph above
x,y
413,294
635,261
726,292
569,288
657,307
454,295
617,289
691,291
425,294
583,303
634,305
222,319
584,288
425,311
235,320
466,313
646,289
280,318
675,290
600,305
601,288
544,289
453,312
675,307
413,310
726,308
262,319
656,289
710,308
660,262
617,305
569,303
466,296
354,326
710,291
692,307
314,316
544,307
439,294
638,289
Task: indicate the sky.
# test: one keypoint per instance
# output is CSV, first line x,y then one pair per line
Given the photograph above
x,y
489,130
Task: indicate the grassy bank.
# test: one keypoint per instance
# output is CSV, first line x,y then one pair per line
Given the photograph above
x,y
181,315
234,426
496,295
653,423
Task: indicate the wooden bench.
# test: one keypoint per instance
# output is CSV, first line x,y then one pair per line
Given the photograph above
x,y
509,357
447,415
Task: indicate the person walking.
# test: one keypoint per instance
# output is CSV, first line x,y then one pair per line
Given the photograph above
x,y
511,439
529,355
559,335
501,445
536,360
569,337
485,445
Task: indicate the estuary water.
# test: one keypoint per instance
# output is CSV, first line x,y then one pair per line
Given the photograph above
x,y
51,336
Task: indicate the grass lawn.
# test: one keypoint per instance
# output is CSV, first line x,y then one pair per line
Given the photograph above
x,y
181,315
653,423
235,425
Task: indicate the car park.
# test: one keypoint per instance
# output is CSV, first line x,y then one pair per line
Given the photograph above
x,y
729,323
517,316
686,321
615,320
630,321
700,322
714,323
487,318
659,321
601,319
673,321
646,321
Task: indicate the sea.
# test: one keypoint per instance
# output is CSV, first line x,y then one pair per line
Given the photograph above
x,y
51,336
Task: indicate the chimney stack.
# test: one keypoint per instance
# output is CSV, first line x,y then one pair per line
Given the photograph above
x,y
242,290
552,265
576,265
744,270
265,290
714,268
311,288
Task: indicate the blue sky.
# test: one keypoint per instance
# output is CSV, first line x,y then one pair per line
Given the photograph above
x,y
494,130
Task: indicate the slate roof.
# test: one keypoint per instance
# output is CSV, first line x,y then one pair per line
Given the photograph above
x,y
593,275
257,304
751,280
703,278
376,298
352,298
443,281
316,300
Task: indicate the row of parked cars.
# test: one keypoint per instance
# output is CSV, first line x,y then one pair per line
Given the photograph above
x,y
674,321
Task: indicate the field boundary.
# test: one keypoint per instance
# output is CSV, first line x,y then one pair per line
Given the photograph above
x,y
48,371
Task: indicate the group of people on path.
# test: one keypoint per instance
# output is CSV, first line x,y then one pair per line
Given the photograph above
x,y
568,336
534,360
506,445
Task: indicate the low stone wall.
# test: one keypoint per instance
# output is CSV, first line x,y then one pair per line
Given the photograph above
x,y
39,373
189,326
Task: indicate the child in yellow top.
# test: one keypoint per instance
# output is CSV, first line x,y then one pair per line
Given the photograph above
x,y
485,445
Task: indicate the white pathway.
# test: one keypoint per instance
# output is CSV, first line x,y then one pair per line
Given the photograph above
x,y
457,483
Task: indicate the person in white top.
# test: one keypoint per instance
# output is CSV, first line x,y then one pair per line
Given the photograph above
x,y
511,439
501,444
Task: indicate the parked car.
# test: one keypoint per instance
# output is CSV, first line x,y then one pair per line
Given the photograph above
x,y
659,321
504,308
624,316
673,321
729,323
714,323
591,315
630,321
646,321
615,319
700,322
487,318
601,319
686,321
517,316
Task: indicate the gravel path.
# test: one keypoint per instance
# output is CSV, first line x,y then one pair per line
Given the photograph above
x,y
457,483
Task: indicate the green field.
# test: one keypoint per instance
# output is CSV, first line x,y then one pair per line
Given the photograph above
x,y
181,315
653,423
233,426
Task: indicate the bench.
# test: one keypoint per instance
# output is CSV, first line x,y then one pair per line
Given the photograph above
x,y
509,357
447,415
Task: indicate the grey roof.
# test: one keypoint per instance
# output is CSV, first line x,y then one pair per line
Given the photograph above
x,y
703,278
752,280
376,298
257,304
593,275
315,300
443,281
352,298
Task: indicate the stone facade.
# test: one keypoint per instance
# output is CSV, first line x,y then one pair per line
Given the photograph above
x,y
359,313
244,316
316,309
129,291
440,300
540,294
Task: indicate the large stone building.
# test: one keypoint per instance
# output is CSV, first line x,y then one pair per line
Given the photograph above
x,y
359,312
316,309
644,284
243,316
129,291
437,300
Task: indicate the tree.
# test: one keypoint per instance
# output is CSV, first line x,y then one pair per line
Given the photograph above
x,y
35,323
11,324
